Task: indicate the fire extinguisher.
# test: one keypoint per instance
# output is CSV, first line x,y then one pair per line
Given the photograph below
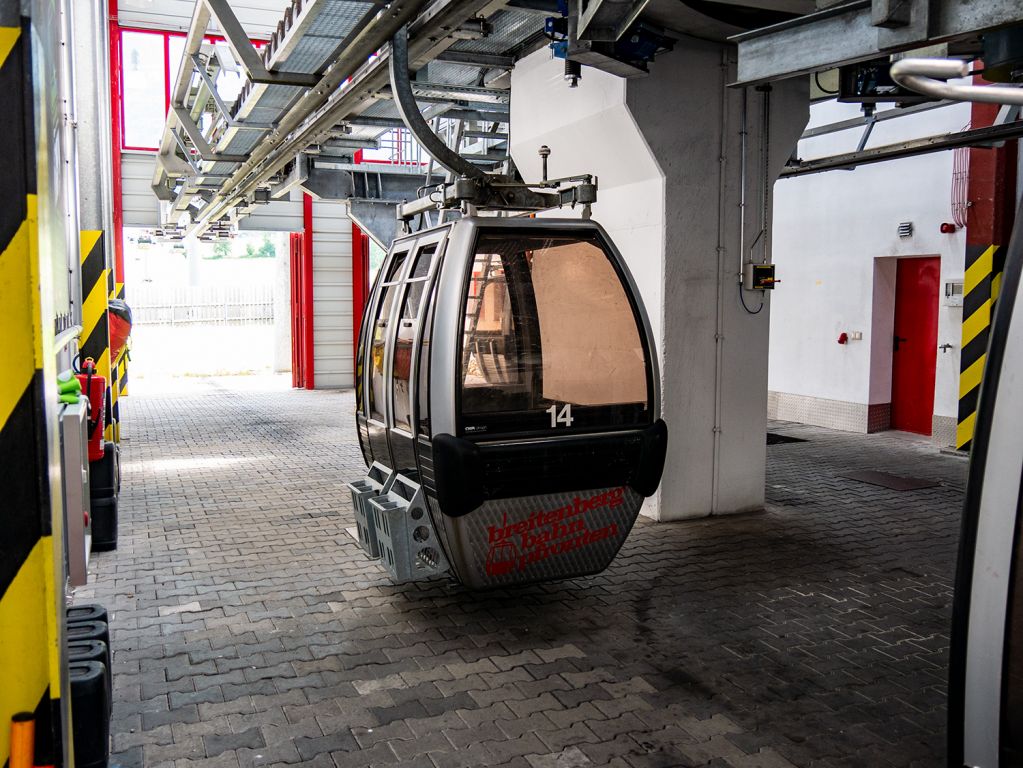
x,y
95,388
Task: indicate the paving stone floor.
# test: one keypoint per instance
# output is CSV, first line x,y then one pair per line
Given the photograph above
x,y
249,629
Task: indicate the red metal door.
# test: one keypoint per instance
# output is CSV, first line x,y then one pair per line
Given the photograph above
x,y
914,348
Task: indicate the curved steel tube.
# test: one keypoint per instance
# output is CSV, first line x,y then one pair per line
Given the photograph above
x,y
920,75
401,90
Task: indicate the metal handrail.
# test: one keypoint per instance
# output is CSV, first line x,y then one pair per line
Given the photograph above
x,y
922,76
64,338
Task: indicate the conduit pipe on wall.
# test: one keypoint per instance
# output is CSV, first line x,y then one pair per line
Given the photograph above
x,y
69,138
719,313
743,133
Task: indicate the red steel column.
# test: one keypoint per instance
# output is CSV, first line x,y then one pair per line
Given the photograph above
x,y
307,292
991,188
115,132
360,282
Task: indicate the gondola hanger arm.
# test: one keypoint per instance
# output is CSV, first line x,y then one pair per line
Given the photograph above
x,y
408,109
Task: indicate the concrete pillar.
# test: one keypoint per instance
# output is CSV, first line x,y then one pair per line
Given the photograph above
x,y
667,151
192,258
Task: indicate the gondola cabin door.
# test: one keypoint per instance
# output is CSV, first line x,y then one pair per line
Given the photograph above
x,y
406,341
387,361
373,353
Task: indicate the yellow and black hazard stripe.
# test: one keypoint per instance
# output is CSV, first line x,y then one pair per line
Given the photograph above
x,y
997,267
122,375
980,289
121,364
29,629
97,285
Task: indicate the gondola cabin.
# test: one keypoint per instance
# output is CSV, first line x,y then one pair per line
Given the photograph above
x,y
507,403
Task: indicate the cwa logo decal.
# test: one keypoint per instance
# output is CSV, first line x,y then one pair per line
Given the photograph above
x,y
547,533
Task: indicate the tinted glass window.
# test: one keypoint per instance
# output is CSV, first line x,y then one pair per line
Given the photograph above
x,y
142,78
548,323
405,336
423,388
378,339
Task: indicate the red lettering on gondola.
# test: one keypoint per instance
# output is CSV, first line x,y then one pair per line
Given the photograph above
x,y
547,533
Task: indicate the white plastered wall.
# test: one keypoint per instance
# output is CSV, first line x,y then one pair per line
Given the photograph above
x,y
835,246
589,129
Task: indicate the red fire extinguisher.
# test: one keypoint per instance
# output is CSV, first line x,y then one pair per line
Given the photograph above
x,y
95,387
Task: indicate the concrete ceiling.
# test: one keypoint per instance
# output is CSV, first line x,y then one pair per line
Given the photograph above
x,y
717,19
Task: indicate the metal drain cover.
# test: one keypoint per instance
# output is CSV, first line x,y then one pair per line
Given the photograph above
x,y
888,480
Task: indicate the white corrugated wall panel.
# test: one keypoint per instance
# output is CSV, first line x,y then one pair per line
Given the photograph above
x,y
278,216
141,208
332,295
332,261
258,17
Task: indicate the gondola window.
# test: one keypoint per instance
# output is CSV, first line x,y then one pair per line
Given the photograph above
x,y
548,323
379,340
408,322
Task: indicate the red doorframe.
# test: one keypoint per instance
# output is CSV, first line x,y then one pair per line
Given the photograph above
x,y
914,351
115,133
295,251
308,330
303,361
360,284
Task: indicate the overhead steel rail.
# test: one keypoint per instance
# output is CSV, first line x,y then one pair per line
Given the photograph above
x,y
862,30
865,30
217,160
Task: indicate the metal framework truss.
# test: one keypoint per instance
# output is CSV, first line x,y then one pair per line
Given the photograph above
x,y
319,92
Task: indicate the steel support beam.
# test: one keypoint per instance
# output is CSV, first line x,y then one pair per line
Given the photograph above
x,y
322,108
246,52
878,117
974,138
492,60
606,20
846,34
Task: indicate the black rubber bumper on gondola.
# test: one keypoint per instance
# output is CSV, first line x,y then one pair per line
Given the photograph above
x,y
468,473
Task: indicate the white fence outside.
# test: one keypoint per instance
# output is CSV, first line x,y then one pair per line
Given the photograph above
x,y
211,305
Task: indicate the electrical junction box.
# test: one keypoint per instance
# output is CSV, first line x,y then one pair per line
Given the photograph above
x,y
953,293
758,277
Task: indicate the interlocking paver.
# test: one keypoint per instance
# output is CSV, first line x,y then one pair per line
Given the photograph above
x,y
249,629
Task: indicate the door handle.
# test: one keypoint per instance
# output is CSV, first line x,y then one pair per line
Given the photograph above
x,y
896,340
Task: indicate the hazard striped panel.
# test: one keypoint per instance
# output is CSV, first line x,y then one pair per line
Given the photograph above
x,y
980,287
122,375
30,670
97,285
